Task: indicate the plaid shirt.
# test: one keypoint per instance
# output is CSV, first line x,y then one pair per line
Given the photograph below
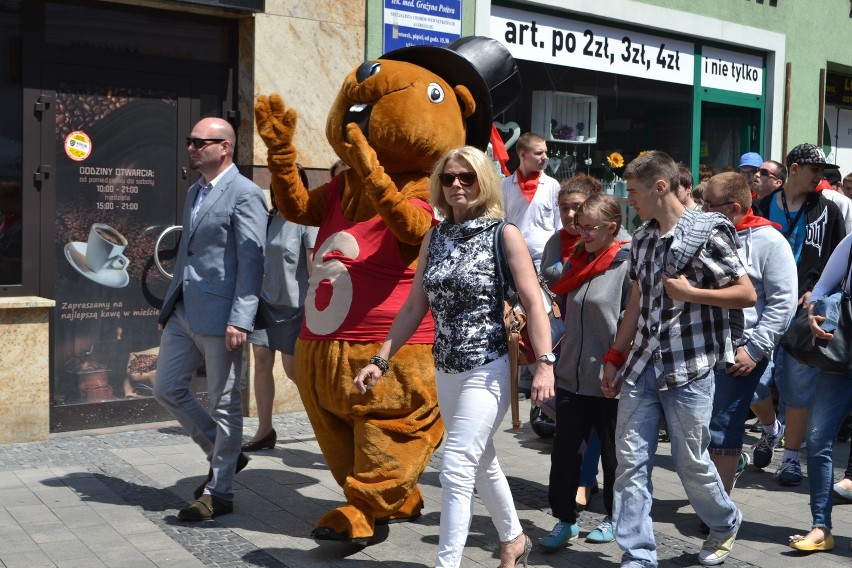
x,y
682,340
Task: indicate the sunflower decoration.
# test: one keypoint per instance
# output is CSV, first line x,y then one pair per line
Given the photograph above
x,y
613,163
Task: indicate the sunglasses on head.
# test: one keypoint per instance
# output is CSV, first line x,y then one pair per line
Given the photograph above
x,y
199,143
465,179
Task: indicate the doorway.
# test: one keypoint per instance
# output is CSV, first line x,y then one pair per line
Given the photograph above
x,y
727,132
108,133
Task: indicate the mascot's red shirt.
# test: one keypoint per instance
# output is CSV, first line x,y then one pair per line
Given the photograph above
x,y
359,279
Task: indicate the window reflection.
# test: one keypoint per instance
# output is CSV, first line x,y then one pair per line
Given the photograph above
x,y
10,232
10,142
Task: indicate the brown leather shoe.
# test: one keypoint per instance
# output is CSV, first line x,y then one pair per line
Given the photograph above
x,y
205,508
242,462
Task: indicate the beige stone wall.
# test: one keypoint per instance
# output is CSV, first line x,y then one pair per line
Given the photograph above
x,y
286,394
24,388
302,51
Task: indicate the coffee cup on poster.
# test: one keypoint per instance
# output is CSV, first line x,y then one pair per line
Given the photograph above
x,y
104,248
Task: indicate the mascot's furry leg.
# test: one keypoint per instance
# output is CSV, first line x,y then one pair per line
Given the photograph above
x,y
377,444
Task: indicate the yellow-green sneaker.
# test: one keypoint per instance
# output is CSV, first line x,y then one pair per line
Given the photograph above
x,y
717,547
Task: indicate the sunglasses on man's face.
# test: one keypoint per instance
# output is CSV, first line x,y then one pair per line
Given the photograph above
x,y
199,143
766,173
466,179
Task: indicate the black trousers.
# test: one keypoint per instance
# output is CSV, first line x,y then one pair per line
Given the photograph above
x,y
575,416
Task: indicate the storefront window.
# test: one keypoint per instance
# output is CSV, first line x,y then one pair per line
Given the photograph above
x,y
633,115
145,33
10,143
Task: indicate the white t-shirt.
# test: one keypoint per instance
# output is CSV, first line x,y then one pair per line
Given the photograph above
x,y
537,220
843,203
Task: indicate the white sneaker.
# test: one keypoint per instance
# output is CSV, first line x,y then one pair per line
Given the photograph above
x,y
717,547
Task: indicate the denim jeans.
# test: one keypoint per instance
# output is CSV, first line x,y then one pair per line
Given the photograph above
x,y
687,411
589,469
796,383
832,403
731,399
473,405
763,390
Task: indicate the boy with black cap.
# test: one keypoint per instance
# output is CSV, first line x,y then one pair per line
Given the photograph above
x,y
813,226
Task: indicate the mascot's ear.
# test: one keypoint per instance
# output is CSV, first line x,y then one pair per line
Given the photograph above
x,y
465,100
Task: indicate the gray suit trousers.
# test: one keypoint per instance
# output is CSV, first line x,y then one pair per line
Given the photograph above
x,y
219,430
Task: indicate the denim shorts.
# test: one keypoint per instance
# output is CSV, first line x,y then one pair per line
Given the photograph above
x,y
796,383
731,402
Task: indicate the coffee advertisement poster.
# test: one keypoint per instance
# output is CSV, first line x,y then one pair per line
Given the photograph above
x,y
115,195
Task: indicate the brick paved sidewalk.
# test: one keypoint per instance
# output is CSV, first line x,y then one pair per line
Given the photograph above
x,y
110,499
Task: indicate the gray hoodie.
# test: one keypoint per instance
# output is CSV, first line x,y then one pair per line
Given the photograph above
x,y
769,262
592,312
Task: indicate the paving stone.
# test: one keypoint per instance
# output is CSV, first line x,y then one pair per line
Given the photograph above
x,y
128,486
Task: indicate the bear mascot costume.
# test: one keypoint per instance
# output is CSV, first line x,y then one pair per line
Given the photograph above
x,y
391,121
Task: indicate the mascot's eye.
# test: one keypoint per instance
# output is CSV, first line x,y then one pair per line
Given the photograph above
x,y
435,92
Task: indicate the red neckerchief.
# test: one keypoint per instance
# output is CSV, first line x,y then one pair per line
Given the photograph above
x,y
528,185
569,243
499,150
582,269
822,185
751,220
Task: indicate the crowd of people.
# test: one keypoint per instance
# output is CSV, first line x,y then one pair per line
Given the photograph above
x,y
675,327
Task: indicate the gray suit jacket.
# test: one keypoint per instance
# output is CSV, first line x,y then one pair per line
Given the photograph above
x,y
219,265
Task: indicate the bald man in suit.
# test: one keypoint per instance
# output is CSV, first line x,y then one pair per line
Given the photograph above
x,y
210,308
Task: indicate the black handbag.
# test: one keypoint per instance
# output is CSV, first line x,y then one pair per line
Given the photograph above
x,y
828,355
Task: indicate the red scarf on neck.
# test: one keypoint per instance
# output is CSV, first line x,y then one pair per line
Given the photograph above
x,y
528,185
569,243
584,268
751,220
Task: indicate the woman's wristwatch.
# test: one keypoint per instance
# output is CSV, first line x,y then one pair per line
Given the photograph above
x,y
548,358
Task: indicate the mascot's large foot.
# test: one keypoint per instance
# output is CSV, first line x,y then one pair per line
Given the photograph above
x,y
410,510
345,524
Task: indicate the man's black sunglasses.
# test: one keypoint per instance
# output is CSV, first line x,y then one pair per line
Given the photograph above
x,y
199,143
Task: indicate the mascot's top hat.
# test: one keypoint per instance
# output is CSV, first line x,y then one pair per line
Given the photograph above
x,y
479,63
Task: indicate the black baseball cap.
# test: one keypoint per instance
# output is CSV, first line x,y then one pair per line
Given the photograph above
x,y
805,154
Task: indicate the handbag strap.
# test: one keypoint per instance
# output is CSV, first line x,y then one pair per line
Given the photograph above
x,y
512,336
504,273
848,269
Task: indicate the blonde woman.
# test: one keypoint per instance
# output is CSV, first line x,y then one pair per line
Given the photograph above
x,y
456,277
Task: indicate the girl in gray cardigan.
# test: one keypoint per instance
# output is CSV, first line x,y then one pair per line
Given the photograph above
x,y
596,289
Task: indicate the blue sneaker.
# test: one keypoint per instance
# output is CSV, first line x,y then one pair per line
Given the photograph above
x,y
741,467
602,533
761,452
559,536
789,473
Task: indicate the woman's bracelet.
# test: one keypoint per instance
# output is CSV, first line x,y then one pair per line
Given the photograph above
x,y
380,362
617,358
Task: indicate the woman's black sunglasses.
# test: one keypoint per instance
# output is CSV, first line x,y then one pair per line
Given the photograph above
x,y
466,179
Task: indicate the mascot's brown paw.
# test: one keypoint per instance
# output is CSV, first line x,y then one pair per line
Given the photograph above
x,y
410,510
345,524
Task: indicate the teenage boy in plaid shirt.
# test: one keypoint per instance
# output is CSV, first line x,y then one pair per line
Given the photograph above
x,y
682,320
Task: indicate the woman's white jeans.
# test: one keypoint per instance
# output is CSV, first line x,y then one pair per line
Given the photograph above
x,y
473,405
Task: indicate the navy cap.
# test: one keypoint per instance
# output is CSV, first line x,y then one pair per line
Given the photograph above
x,y
832,176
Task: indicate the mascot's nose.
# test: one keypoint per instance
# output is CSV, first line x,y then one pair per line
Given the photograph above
x,y
367,70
